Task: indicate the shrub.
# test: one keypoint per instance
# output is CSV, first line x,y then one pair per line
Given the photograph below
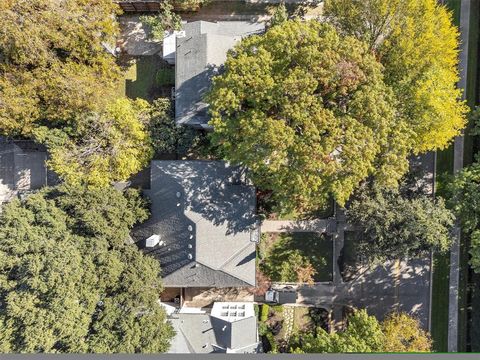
x,y
272,343
165,20
166,136
264,312
188,5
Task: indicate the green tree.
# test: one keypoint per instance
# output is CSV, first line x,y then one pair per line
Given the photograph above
x,y
69,280
53,61
362,335
395,226
188,5
306,110
465,201
165,20
297,268
279,15
399,332
100,148
417,43
167,136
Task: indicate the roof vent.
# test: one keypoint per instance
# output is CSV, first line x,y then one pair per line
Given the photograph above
x,y
152,241
190,256
178,194
190,246
190,228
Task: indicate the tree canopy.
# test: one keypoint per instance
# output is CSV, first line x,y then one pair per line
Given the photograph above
x,y
364,334
69,279
307,111
100,148
395,226
465,201
403,333
417,43
53,62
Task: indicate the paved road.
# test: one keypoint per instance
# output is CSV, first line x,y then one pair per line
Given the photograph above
x,y
396,286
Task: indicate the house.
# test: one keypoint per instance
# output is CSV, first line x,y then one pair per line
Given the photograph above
x,y
22,168
230,327
199,51
203,228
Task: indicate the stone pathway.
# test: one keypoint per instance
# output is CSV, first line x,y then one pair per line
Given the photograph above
x,y
288,316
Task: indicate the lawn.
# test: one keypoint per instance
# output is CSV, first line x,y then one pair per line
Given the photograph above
x,y
148,77
275,249
440,288
348,256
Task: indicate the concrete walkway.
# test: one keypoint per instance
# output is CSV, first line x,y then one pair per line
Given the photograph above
x,y
314,225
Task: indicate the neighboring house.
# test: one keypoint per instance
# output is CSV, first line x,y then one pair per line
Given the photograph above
x,y
22,168
203,227
231,327
199,51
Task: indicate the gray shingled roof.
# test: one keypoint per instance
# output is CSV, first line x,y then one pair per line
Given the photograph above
x,y
199,55
202,333
207,230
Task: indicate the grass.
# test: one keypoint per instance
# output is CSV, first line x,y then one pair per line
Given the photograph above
x,y
474,319
472,100
317,248
302,320
440,289
348,257
148,78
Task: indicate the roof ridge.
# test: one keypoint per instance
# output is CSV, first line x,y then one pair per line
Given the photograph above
x,y
224,272
234,255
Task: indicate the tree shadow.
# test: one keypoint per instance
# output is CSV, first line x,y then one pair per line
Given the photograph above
x,y
316,247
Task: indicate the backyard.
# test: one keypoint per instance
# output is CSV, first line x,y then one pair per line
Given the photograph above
x,y
276,249
148,77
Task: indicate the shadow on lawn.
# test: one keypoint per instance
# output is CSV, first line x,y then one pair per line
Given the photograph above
x,y
315,247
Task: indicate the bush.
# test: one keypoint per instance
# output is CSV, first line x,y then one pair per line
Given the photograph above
x,y
264,312
188,5
272,343
165,20
167,137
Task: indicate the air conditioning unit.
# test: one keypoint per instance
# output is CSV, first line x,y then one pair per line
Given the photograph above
x,y
152,241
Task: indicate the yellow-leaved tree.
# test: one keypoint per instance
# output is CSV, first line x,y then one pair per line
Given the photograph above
x,y
54,61
101,147
417,43
404,333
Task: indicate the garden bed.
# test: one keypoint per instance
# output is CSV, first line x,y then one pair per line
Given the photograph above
x,y
281,324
